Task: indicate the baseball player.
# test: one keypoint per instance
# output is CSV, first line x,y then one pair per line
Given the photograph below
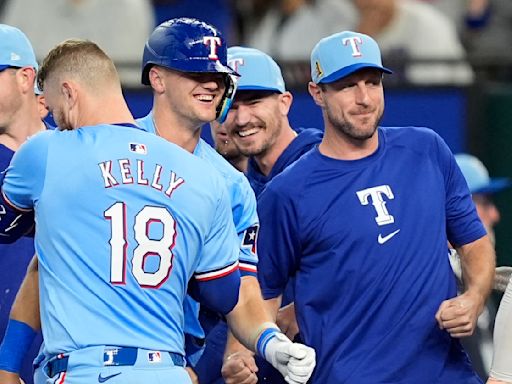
x,y
258,125
124,221
19,119
362,223
192,85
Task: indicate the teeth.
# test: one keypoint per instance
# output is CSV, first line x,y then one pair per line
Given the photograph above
x,y
205,97
247,132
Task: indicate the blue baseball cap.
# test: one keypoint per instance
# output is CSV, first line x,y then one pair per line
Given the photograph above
x,y
477,176
343,53
15,49
258,71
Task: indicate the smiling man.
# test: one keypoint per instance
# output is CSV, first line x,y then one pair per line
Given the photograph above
x,y
362,222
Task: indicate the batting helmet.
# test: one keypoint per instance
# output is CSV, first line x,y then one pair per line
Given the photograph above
x,y
190,45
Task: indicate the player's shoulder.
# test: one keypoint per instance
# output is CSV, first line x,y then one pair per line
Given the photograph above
x,y
418,139
206,152
294,177
146,123
42,138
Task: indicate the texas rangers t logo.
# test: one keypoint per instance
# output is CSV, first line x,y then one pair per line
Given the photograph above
x,y
213,42
376,194
354,42
235,63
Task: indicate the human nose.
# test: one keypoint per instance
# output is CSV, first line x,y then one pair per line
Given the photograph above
x,y
242,115
362,96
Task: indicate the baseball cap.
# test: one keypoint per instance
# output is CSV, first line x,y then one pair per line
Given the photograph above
x,y
343,53
258,71
15,49
477,176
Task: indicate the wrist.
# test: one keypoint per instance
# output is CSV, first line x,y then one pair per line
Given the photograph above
x,y
17,340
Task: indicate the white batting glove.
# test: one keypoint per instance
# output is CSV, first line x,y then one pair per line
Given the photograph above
x,y
293,360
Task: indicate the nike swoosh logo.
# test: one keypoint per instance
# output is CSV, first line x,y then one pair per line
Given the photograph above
x,y
102,379
382,240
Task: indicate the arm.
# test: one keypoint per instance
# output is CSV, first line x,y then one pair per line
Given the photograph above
x,y
501,369
459,315
23,323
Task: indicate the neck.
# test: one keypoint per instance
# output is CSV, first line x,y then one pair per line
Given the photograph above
x,y
178,131
339,146
240,163
111,109
27,122
267,159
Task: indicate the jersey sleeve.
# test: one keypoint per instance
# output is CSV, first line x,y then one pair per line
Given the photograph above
x,y
21,187
278,241
463,225
245,217
217,279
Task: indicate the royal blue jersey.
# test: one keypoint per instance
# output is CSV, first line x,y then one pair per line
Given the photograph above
x,y
243,207
366,241
124,220
306,139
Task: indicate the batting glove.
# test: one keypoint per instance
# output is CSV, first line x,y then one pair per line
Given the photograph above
x,y
293,360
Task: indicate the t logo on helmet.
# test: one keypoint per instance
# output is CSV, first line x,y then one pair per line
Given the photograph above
x,y
213,42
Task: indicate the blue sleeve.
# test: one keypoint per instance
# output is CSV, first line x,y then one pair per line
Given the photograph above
x,y
245,217
279,246
463,225
21,187
217,279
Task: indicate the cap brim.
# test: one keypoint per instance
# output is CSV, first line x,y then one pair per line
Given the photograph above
x,y
258,88
494,186
2,67
351,69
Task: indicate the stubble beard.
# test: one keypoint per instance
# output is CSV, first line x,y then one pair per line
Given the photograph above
x,y
352,132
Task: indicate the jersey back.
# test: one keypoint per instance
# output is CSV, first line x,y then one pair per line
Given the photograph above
x,y
124,221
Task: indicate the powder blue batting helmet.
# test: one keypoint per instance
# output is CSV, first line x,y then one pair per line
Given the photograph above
x,y
190,45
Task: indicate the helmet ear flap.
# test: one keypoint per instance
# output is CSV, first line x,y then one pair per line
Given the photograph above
x,y
227,99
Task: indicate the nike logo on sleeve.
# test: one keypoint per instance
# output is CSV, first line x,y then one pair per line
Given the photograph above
x,y
102,379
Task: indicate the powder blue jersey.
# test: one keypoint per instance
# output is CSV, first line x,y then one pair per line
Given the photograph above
x,y
243,207
124,221
367,243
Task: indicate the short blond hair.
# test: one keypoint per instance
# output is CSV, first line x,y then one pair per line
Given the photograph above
x,y
81,59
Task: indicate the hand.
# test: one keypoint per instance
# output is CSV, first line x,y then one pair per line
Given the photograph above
x,y
240,368
295,361
10,378
287,321
192,374
458,316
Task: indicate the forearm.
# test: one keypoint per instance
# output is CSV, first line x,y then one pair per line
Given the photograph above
x,y
26,305
478,267
247,320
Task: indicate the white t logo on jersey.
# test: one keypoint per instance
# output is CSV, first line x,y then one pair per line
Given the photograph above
x,y
354,42
213,42
377,194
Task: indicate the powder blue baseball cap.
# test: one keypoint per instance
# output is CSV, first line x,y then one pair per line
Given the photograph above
x,y
343,53
258,71
477,176
15,49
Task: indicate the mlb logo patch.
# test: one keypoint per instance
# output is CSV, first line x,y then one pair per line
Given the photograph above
x,y
138,148
155,357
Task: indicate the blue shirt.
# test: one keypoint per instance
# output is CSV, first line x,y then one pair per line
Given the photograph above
x,y
366,241
306,139
124,221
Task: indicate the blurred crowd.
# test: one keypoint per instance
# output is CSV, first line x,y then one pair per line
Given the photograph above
x,y
426,41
